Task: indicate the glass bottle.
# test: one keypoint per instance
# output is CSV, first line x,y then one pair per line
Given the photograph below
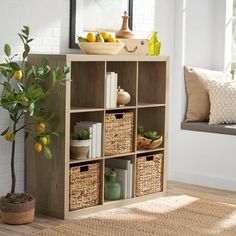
x,y
154,45
112,187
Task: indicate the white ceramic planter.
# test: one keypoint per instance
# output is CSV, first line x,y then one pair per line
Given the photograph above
x,y
79,149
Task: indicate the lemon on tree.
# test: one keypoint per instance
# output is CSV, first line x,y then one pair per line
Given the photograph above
x,y
44,140
38,147
17,75
40,127
8,136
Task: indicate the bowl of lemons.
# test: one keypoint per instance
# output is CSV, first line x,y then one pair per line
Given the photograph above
x,y
101,43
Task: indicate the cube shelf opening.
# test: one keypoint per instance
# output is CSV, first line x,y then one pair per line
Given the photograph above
x,y
151,83
124,168
87,84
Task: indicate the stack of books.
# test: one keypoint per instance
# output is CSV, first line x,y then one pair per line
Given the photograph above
x,y
95,128
124,172
111,89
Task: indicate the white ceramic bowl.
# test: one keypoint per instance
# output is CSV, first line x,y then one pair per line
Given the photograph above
x,y
100,48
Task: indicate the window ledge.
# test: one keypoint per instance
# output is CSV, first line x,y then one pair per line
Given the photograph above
x,y
229,129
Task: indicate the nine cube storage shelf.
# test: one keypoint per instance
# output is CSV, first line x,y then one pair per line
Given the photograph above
x,y
66,188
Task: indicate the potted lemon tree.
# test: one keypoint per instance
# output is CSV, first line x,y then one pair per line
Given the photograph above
x,y
22,94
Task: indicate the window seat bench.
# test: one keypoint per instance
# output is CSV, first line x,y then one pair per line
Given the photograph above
x,y
229,129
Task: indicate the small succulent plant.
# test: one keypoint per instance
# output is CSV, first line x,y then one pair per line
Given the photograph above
x,y
81,135
151,134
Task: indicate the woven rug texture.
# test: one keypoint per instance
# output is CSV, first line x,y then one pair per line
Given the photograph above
x,y
182,215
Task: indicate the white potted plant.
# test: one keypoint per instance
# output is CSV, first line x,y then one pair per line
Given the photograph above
x,y
79,144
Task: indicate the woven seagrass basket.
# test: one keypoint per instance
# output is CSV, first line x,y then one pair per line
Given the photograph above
x,y
119,133
84,186
149,174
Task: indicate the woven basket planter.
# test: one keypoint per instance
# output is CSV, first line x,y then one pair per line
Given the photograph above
x,y
149,174
118,133
84,186
147,144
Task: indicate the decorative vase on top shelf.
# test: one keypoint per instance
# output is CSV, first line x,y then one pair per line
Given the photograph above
x,y
125,31
154,45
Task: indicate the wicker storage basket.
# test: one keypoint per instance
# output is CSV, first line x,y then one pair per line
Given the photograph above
x,y
149,174
84,186
118,133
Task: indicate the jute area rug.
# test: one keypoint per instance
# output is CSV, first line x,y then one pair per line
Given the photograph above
x,y
172,215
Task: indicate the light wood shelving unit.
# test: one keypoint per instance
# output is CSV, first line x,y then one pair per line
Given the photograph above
x,y
83,98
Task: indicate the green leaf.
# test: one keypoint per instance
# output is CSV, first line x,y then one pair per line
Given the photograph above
x,y
47,152
21,37
7,50
5,131
66,70
21,86
36,93
27,48
14,56
30,40
57,133
54,78
3,72
29,73
4,65
40,71
44,62
12,137
26,30
14,66
31,109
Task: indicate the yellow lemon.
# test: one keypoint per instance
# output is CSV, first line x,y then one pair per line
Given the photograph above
x,y
40,127
44,140
17,75
105,35
91,37
8,136
111,39
38,147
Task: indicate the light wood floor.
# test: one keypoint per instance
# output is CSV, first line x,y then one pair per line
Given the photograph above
x,y
174,188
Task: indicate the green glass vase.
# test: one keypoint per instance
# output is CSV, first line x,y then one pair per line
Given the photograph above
x,y
154,45
112,187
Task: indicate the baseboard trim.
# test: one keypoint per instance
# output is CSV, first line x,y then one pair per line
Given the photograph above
x,y
208,181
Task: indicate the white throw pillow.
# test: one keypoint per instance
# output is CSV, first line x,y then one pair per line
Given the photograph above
x,y
222,102
197,90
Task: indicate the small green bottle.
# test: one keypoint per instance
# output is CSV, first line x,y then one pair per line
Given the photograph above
x,y
112,187
154,45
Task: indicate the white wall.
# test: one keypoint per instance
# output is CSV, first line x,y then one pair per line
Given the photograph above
x,y
195,157
49,24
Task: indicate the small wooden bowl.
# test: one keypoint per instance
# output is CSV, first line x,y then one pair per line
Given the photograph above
x,y
147,144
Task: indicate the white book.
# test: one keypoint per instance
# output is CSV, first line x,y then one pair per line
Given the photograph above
x,y
99,139
115,81
126,165
93,136
122,176
80,126
108,90
123,179
130,179
113,89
